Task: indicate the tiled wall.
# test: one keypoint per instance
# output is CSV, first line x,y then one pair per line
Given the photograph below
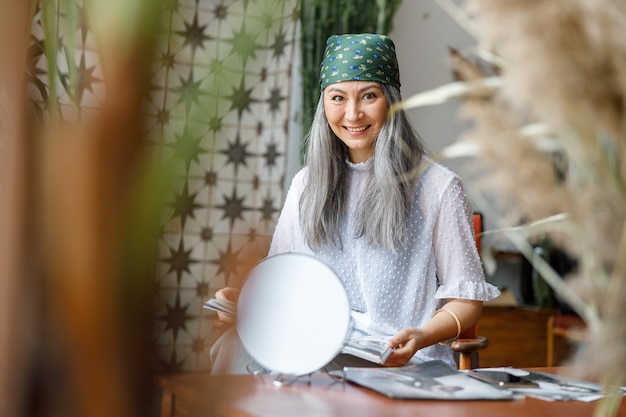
x,y
219,105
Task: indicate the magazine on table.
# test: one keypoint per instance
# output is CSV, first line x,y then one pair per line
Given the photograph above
x,y
372,348
431,380
541,385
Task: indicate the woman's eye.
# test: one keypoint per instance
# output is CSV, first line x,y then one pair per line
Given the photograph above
x,y
369,96
337,98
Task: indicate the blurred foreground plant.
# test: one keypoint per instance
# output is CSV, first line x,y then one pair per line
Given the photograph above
x,y
82,201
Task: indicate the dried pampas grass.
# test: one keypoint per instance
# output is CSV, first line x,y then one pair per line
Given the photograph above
x,y
566,58
565,69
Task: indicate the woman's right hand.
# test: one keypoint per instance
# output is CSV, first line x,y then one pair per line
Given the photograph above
x,y
231,294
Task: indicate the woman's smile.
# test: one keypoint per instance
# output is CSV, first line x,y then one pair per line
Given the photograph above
x,y
356,130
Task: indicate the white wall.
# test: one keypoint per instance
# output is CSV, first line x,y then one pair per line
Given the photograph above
x,y
422,32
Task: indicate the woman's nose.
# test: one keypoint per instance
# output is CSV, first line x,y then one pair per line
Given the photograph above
x,y
353,111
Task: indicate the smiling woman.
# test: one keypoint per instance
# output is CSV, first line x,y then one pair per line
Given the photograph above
x,y
391,223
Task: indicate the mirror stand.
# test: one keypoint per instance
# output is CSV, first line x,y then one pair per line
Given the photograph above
x,y
282,380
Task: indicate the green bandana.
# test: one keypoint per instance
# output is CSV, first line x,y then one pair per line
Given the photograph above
x,y
364,57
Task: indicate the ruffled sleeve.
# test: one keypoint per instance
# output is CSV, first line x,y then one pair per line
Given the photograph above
x,y
471,290
459,269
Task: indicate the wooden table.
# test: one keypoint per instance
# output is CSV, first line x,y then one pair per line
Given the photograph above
x,y
320,395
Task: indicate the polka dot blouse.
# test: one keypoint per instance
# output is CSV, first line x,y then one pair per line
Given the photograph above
x,y
389,291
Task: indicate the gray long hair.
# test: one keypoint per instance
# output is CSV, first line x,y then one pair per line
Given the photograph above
x,y
384,208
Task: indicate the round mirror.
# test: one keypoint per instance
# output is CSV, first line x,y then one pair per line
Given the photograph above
x,y
293,314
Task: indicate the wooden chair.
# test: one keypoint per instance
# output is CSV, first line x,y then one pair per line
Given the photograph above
x,y
469,342
570,330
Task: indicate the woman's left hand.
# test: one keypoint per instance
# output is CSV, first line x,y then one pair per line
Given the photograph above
x,y
440,327
405,344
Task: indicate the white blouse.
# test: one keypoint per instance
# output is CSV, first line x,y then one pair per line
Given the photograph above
x,y
389,291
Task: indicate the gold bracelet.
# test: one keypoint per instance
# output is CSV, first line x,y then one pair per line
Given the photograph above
x,y
458,324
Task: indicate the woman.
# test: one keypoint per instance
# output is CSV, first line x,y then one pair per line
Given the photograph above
x,y
394,225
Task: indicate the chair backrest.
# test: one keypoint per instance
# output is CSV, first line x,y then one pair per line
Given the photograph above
x,y
469,342
478,229
472,332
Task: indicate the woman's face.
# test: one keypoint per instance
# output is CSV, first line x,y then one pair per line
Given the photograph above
x,y
356,112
